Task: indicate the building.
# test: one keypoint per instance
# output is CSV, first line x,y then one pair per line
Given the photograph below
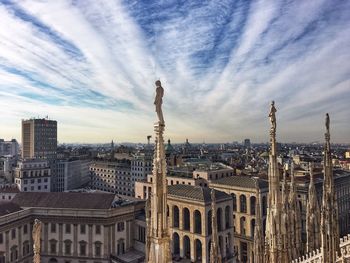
x,y
190,214
7,165
39,140
242,190
8,192
73,173
246,143
199,173
77,227
141,166
112,176
9,147
33,175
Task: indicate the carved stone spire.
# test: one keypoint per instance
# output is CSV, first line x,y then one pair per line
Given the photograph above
x,y
295,218
36,235
329,211
273,220
258,231
159,250
215,253
312,217
285,230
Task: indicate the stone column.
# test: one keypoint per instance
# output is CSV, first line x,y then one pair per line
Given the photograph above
x,y
192,249
113,239
105,241
7,246
170,218
203,222
191,220
181,227
181,245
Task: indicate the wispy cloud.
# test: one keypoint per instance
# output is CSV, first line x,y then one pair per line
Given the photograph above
x,y
92,66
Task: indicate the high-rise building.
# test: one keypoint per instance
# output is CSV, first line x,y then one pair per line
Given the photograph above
x,y
39,140
246,143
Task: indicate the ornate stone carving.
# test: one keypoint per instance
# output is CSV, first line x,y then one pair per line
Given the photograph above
x,y
36,234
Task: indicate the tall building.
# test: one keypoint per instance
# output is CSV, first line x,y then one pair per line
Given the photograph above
x,y
39,140
9,147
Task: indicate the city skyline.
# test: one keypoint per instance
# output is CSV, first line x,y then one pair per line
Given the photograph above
x,y
91,65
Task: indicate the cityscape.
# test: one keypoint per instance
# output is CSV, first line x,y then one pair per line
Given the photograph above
x,y
164,133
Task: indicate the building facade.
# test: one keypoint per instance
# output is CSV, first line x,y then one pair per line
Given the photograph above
x,y
39,140
33,175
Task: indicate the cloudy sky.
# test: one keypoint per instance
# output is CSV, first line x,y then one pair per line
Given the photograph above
x,y
91,65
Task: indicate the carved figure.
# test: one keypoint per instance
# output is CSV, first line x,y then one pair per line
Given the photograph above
x,y
159,100
36,234
272,116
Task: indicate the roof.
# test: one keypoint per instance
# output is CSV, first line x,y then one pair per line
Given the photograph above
x,y
64,200
8,208
242,181
9,188
196,193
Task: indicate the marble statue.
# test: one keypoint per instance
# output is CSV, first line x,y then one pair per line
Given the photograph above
x,y
272,116
36,234
159,100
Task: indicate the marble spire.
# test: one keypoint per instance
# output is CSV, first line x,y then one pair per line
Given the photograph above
x,y
159,247
273,250
294,218
312,216
285,229
215,253
258,230
329,210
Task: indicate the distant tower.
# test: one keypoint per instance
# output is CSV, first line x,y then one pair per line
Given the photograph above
x,y
294,217
312,217
215,254
112,150
329,211
258,230
273,246
159,240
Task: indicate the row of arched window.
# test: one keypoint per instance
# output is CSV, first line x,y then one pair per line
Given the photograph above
x,y
243,205
223,219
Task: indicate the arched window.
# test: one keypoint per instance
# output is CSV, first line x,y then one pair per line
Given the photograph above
x,y
53,246
13,253
252,227
68,247
219,219
242,226
243,204
197,222
234,202
176,244
187,247
227,217
198,250
98,246
252,205
82,248
121,247
176,217
264,206
186,219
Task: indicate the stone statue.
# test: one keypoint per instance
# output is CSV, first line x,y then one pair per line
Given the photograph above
x,y
327,122
36,234
159,100
272,116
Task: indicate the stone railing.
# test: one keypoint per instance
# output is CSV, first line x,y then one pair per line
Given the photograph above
x,y
316,256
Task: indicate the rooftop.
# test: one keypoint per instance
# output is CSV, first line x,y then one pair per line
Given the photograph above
x,y
242,181
8,208
64,200
196,193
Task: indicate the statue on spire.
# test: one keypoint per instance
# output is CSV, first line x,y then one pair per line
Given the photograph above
x,y
327,122
272,116
158,101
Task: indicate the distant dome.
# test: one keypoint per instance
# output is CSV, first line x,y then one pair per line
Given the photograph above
x,y
169,148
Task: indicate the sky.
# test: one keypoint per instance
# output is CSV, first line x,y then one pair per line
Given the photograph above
x,y
91,65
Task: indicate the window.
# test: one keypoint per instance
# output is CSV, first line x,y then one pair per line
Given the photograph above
x,y
67,228
82,229
243,204
67,247
120,226
82,248
1,238
98,230
98,249
53,246
53,228
13,233
25,229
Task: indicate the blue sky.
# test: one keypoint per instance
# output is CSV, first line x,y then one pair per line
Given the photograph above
x,y
92,65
